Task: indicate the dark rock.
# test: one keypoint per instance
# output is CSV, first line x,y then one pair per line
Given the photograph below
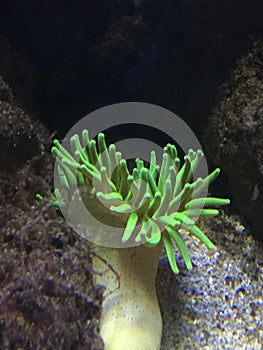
x,y
47,299
234,136
6,94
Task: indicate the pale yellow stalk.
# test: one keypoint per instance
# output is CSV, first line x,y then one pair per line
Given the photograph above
x,y
131,318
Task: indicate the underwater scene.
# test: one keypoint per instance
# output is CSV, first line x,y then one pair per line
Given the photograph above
x,y
131,175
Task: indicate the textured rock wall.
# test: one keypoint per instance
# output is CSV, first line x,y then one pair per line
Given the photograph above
x,y
234,137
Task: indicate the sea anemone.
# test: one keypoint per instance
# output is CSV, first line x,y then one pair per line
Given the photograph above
x,y
152,204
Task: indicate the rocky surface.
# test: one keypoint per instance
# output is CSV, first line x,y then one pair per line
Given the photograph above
x,y
234,136
47,299
6,94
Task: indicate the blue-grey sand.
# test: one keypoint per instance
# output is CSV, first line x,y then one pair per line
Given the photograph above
x,y
217,305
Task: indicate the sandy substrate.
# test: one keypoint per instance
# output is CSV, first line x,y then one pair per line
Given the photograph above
x,y
217,305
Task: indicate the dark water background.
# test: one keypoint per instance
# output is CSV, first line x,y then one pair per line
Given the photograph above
x,y
75,57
